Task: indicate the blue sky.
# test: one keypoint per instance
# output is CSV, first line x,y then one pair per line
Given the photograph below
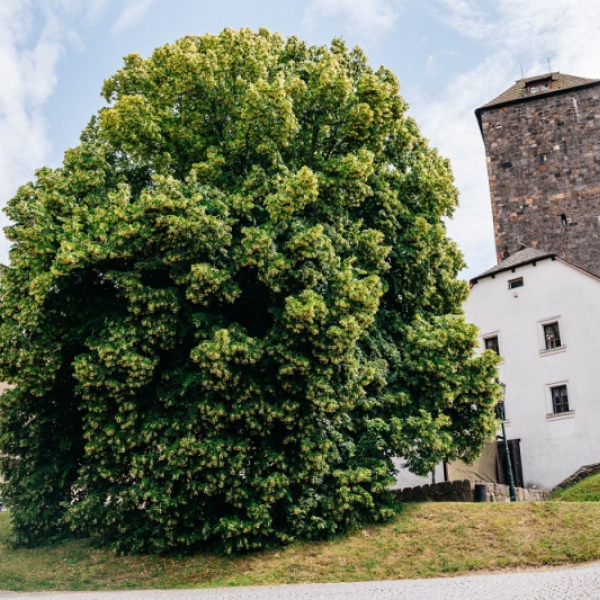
x,y
451,56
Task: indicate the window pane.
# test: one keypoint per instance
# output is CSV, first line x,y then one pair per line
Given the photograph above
x,y
560,400
515,283
491,343
552,336
539,86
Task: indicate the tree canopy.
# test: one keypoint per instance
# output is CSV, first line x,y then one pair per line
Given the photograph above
x,y
233,304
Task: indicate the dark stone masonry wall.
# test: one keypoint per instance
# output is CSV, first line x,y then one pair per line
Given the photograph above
x,y
544,171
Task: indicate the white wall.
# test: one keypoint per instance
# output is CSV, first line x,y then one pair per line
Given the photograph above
x,y
404,478
552,446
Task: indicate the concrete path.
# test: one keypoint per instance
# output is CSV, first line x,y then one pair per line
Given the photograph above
x,y
575,583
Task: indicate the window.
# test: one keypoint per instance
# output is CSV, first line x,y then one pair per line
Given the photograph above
x,y
560,399
491,343
534,87
552,336
515,283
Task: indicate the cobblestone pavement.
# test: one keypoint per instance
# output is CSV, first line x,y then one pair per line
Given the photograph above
x,y
575,583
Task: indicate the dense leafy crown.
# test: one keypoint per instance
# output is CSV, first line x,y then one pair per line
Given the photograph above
x,y
233,304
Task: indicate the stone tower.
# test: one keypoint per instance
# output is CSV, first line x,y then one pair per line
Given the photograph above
x,y
542,143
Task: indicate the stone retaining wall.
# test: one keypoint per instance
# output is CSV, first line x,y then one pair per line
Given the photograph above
x,y
578,476
464,491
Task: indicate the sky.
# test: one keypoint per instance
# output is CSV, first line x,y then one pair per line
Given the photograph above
x,y
451,56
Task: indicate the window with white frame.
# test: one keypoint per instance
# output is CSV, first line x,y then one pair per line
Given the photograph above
x,y
552,335
560,399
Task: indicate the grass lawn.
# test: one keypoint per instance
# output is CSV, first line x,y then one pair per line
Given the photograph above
x,y
424,540
587,490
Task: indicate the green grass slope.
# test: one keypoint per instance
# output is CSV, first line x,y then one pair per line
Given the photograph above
x,y
587,490
424,540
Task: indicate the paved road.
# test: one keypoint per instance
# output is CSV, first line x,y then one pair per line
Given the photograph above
x,y
576,583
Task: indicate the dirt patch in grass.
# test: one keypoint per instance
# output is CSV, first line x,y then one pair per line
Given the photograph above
x,y
424,540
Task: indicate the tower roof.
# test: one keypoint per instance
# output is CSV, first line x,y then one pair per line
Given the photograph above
x,y
535,87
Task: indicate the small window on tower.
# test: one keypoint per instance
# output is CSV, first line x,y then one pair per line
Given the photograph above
x,y
542,85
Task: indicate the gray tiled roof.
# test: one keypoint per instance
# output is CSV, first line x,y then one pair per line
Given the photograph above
x,y
518,91
518,259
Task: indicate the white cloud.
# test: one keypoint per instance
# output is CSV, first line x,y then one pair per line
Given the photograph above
x,y
131,15
364,18
467,17
95,9
564,31
27,75
510,33
32,38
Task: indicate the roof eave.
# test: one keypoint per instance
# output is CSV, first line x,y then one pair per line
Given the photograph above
x,y
578,268
530,261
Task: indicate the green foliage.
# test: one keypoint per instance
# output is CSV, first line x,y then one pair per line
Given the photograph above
x,y
232,305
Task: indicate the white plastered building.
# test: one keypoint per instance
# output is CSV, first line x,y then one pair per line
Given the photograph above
x,y
542,315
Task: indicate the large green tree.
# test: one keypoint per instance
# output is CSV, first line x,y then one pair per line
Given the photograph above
x,y
233,304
